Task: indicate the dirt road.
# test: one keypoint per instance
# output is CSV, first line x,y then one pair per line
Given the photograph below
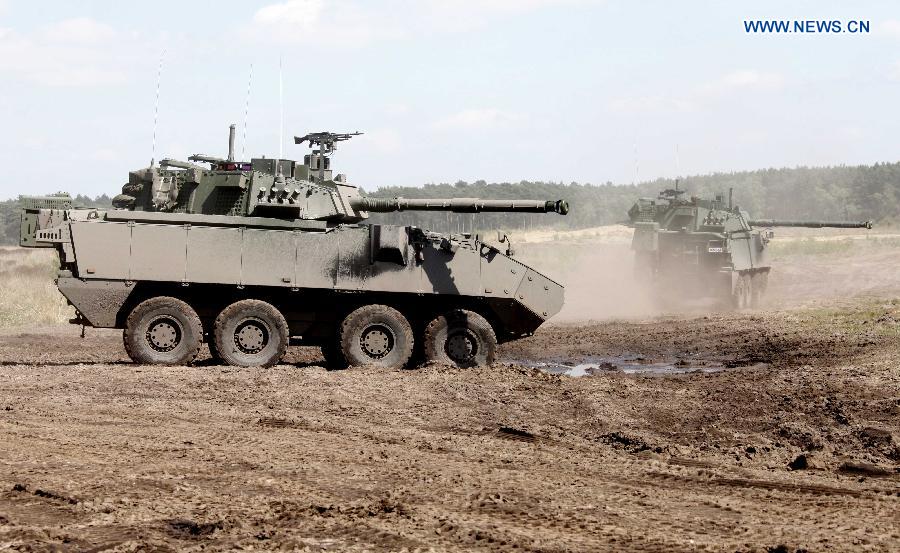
x,y
97,454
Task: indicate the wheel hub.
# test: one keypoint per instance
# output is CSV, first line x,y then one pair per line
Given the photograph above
x,y
376,341
164,334
251,336
461,346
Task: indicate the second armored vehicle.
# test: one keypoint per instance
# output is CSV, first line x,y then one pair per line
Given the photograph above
x,y
252,256
700,248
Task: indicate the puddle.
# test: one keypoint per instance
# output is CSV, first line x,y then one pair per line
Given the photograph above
x,y
628,364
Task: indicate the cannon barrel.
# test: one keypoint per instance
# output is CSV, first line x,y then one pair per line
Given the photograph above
x,y
459,205
809,224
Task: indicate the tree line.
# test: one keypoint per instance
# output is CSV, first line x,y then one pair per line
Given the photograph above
x,y
862,192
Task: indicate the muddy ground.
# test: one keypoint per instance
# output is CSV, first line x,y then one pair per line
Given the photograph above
x,y
794,446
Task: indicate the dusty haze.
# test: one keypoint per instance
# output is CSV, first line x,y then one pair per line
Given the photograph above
x,y
596,266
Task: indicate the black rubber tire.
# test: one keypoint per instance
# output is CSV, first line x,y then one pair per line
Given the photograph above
x,y
475,335
163,331
264,325
376,335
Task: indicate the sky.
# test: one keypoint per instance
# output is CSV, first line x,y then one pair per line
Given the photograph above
x,y
444,90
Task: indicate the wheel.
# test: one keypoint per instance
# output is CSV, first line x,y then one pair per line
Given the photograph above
x,y
748,291
461,338
740,294
755,290
376,335
759,283
251,333
163,331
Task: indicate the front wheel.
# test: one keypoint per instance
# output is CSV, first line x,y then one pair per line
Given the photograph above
x,y
461,338
251,333
163,331
376,335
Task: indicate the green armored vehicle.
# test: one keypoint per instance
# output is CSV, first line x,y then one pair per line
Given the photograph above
x,y
705,249
252,256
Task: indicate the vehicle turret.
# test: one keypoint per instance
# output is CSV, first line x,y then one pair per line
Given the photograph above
x,y
283,189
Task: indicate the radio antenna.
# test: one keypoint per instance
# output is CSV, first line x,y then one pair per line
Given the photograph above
x,y
677,160
246,115
162,56
280,115
636,167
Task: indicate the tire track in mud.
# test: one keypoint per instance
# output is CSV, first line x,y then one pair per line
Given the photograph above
x,y
505,458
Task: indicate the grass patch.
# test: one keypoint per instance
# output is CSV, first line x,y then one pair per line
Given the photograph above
x,y
28,295
878,316
811,246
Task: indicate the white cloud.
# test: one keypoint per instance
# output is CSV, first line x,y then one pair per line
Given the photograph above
x,y
342,23
355,23
80,30
650,103
741,80
477,119
386,141
396,109
722,87
890,28
75,52
893,71
103,154
299,14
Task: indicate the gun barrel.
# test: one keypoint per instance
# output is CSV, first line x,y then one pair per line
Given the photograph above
x,y
460,205
809,224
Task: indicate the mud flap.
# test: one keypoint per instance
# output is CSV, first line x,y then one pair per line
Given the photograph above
x,y
98,301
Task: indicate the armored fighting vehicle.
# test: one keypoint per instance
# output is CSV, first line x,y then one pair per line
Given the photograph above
x,y
252,256
700,248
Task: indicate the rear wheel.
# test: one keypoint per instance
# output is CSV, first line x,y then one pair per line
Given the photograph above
x,y
163,331
462,338
741,293
250,333
376,335
759,283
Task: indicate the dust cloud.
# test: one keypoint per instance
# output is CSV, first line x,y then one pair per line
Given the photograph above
x,y
808,265
599,280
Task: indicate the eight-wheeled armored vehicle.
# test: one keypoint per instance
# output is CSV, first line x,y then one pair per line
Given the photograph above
x,y
699,248
249,256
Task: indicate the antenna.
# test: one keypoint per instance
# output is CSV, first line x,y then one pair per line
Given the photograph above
x,y
281,115
635,180
677,160
162,56
246,115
